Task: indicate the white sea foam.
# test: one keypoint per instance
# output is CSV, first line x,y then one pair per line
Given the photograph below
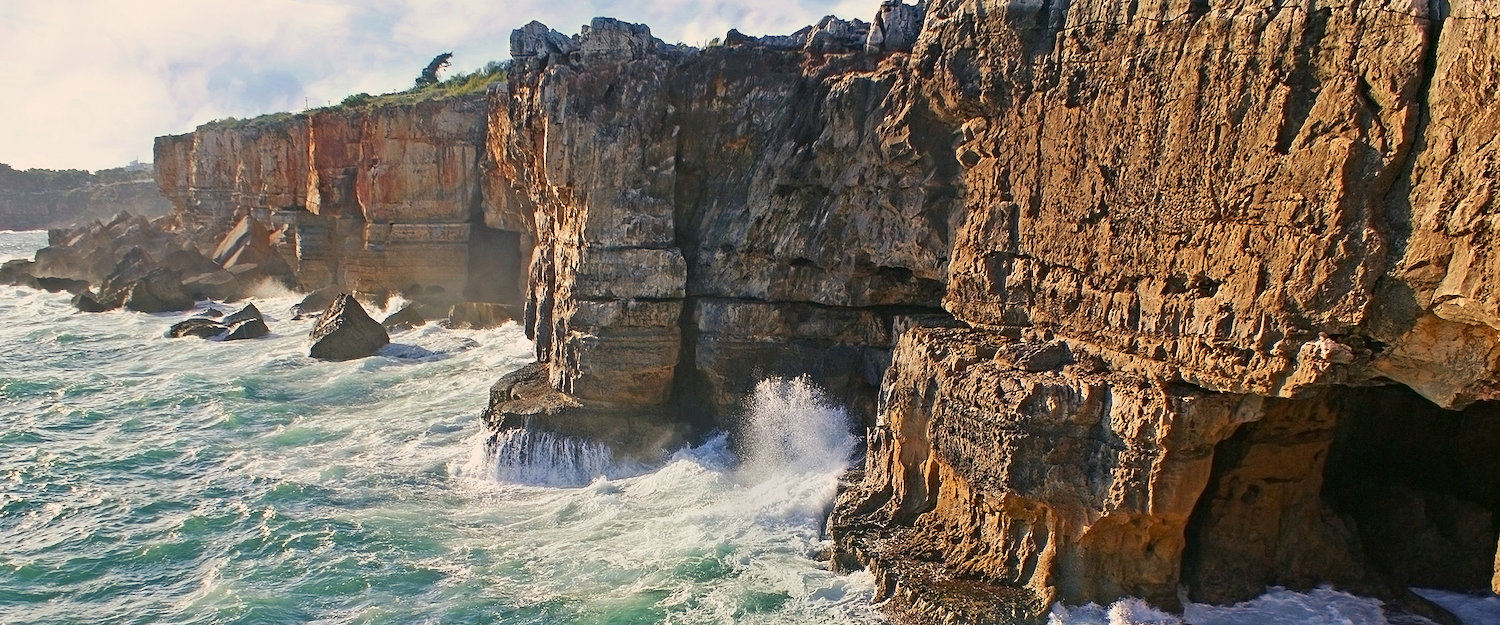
x,y
1322,606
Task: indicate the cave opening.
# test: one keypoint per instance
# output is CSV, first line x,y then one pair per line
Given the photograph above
x,y
1373,490
495,266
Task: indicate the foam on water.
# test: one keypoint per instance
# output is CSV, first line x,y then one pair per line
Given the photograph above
x,y
1322,606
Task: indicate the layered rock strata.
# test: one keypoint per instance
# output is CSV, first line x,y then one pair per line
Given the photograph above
x,y
708,219
1238,211
381,199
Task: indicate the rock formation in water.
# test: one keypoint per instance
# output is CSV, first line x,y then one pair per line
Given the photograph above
x,y
1134,298
346,332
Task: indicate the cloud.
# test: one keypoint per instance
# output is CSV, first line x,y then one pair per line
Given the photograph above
x,y
89,83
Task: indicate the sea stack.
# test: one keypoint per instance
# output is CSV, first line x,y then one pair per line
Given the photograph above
x,y
345,332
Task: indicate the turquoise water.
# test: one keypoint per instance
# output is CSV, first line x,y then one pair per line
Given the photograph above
x,y
151,480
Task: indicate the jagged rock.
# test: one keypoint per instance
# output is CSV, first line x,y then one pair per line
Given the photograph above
x,y
201,328
1075,499
536,41
607,40
218,285
525,399
478,315
249,312
211,313
158,291
895,28
247,329
346,332
833,35
88,302
410,316
317,301
59,285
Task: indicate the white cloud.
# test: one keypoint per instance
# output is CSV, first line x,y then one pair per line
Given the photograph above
x,y
89,83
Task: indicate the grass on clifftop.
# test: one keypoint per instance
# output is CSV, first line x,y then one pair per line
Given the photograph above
x,y
460,84
456,85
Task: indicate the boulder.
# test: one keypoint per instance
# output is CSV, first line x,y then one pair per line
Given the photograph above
x,y
247,241
248,329
59,285
88,302
197,326
211,313
248,313
408,317
219,285
317,301
478,315
18,272
346,332
158,291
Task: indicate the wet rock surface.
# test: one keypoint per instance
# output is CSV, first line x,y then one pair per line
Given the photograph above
x,y
346,332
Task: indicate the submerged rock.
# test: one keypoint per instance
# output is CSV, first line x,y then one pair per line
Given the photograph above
x,y
408,317
346,332
317,301
478,315
158,291
88,302
248,313
248,329
199,327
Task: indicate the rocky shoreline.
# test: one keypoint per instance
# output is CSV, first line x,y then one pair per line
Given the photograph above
x,y
1172,301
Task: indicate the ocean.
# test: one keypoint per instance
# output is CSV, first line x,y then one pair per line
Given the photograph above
x,y
153,480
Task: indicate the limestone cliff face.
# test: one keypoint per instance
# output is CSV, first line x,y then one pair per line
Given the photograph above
x,y
708,219
1181,243
382,199
1237,210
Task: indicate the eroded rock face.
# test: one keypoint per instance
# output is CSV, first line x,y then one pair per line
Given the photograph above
x,y
708,220
1221,203
383,198
1030,465
1157,225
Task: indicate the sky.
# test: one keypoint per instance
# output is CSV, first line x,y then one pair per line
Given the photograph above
x,y
87,84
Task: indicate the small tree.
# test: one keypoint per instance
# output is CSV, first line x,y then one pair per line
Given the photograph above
x,y
430,73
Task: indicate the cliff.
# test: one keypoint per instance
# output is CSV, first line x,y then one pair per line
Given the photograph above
x,y
1196,255
380,198
1134,300
39,199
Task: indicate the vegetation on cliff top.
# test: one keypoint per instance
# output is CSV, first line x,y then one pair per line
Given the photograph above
x,y
460,84
456,85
